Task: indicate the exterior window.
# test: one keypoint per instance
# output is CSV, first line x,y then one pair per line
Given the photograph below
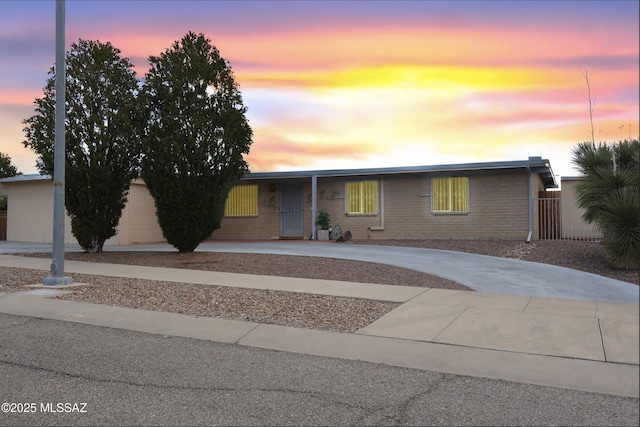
x,y
242,201
450,194
362,197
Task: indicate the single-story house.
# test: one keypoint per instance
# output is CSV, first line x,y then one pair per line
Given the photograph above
x,y
458,201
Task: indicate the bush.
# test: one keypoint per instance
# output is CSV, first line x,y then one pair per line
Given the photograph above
x,y
323,219
610,195
620,225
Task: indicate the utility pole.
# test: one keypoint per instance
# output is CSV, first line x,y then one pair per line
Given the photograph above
x,y
57,264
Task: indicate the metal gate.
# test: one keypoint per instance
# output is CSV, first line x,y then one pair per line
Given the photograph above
x,y
561,218
549,215
291,220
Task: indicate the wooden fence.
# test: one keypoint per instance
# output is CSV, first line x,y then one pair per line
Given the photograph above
x,y
3,225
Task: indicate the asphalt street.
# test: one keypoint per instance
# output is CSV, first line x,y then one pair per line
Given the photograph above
x,y
76,373
132,378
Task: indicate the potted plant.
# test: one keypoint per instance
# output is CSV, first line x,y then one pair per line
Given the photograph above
x,y
322,221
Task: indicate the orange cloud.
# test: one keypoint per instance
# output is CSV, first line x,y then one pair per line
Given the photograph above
x,y
18,97
273,151
413,89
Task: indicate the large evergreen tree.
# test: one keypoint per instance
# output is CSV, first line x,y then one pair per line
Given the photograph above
x,y
610,194
195,139
102,138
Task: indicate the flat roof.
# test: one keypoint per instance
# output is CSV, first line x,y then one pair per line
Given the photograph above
x,y
28,177
533,164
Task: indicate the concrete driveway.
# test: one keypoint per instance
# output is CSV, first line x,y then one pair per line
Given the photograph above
x,y
479,272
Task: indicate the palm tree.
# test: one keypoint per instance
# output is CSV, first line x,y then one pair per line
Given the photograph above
x,y
610,193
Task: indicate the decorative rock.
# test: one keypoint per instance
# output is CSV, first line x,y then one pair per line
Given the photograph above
x,y
335,232
521,251
344,237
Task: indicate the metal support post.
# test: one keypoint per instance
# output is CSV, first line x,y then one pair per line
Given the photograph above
x,y
314,206
57,276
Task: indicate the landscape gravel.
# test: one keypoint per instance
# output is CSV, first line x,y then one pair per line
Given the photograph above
x,y
292,308
331,313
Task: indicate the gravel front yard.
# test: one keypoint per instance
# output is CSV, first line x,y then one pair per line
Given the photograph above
x,y
290,308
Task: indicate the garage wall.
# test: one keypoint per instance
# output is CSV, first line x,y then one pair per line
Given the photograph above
x,y
30,212
30,215
139,223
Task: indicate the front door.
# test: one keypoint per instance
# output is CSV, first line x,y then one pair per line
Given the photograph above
x,y
291,210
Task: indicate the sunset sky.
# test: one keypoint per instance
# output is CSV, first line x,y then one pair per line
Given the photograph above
x,y
331,84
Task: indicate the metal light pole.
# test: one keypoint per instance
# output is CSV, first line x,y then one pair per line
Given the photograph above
x,y
57,265
314,206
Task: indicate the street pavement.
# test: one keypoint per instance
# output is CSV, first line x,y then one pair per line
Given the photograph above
x,y
440,358
131,378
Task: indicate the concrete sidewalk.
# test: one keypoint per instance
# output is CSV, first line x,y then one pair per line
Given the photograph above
x,y
577,344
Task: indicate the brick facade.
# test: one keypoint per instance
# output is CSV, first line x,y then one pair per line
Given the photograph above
x,y
498,209
498,195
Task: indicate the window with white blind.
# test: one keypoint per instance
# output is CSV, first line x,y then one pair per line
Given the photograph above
x,y
362,197
242,201
450,194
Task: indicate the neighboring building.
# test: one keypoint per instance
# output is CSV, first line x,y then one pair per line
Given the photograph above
x,y
30,213
30,209
493,200
573,226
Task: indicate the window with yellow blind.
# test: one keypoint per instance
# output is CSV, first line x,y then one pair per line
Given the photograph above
x,y
242,201
362,197
450,194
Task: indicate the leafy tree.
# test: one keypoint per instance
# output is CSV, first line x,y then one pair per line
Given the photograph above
x,y
195,139
7,169
102,138
610,194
